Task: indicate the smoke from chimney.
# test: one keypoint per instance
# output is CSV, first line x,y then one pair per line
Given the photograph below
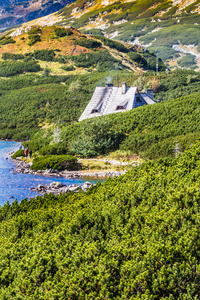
x,y
123,87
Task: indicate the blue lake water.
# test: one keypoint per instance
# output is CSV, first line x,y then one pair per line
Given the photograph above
x,y
16,186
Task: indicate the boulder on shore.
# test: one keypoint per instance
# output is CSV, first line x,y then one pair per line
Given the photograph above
x,y
59,188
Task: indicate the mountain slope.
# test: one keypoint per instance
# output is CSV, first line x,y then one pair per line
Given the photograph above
x,y
17,12
49,67
171,27
132,237
69,41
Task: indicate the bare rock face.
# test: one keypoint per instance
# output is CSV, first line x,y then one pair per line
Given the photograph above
x,y
183,3
15,12
4,3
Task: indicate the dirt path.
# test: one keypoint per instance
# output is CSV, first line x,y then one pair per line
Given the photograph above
x,y
112,162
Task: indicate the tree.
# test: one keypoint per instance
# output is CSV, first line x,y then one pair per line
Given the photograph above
x,y
75,86
96,138
45,72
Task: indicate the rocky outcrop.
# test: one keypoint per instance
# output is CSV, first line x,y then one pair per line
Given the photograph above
x,y
14,13
58,188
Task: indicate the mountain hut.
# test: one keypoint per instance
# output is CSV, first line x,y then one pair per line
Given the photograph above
x,y
109,99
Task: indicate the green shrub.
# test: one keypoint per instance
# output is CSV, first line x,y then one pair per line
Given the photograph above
x,y
33,39
96,138
8,68
35,30
102,57
187,61
45,54
12,56
68,68
59,31
54,149
29,100
6,40
18,153
61,162
62,59
132,237
178,83
75,86
142,63
91,44
113,44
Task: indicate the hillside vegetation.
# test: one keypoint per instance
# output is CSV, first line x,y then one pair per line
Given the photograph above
x,y
168,28
60,45
151,131
48,101
132,237
160,25
31,102
44,75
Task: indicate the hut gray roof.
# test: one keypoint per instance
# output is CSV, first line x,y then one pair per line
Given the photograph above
x,y
109,99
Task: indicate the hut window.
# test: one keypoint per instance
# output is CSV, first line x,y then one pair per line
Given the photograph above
x,y
120,107
94,111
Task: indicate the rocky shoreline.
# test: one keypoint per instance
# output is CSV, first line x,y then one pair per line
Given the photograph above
x,y
57,187
24,168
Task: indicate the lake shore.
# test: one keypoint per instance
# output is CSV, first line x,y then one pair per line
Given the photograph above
x,y
24,168
57,188
53,181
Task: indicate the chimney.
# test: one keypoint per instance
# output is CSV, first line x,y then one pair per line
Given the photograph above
x,y
149,93
123,87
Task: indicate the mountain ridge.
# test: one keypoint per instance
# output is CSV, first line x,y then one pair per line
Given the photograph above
x,y
14,13
170,28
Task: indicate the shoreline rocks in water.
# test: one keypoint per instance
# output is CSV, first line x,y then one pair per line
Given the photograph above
x,y
24,168
58,188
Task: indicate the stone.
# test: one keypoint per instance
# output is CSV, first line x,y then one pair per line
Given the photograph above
x,y
86,186
32,189
64,190
87,183
41,186
56,184
74,188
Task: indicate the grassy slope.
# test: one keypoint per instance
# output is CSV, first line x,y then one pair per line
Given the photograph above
x,y
175,25
133,237
48,41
